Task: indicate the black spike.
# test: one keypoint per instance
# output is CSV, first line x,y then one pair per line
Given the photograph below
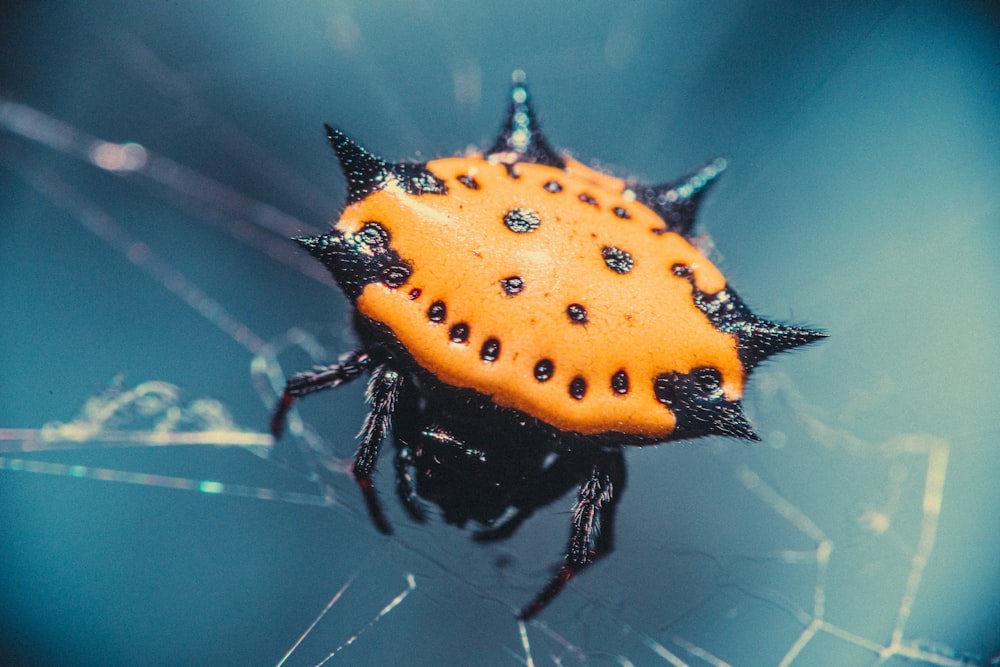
x,y
765,339
327,249
521,138
677,201
733,423
700,406
319,247
367,173
354,261
757,338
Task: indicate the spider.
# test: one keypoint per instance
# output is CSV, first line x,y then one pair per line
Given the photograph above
x,y
522,318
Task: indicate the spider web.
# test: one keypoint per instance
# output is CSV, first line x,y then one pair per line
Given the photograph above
x,y
861,531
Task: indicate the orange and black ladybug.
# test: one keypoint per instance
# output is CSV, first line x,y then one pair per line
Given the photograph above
x,y
521,319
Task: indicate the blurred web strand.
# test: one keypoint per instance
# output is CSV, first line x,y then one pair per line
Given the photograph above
x,y
700,653
522,632
31,124
163,481
243,217
333,601
160,404
663,652
669,656
39,440
411,585
578,654
102,225
936,451
188,186
134,56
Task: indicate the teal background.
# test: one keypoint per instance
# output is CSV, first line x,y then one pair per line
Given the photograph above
x,y
861,197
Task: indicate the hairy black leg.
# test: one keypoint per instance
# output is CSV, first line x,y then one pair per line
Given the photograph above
x,y
383,390
439,436
406,488
592,536
349,368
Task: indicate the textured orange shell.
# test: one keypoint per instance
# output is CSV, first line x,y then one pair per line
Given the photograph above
x,y
643,322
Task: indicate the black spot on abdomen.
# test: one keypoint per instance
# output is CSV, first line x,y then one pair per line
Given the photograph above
x,y
521,220
490,351
544,370
618,260
512,285
437,312
459,333
577,314
619,382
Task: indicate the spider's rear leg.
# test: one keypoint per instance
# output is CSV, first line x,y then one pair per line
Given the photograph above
x,y
406,487
349,368
383,390
592,536
406,459
440,436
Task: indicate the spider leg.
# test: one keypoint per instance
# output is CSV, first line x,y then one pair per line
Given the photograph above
x,y
404,461
349,368
383,390
440,436
592,536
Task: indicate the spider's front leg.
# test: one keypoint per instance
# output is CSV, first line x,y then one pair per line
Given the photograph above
x,y
349,368
383,390
592,536
406,486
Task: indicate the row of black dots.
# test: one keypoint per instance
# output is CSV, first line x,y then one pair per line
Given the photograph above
x,y
459,333
553,187
545,369
556,187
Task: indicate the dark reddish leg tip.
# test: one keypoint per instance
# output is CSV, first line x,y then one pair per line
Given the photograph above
x,y
548,593
416,510
374,506
278,418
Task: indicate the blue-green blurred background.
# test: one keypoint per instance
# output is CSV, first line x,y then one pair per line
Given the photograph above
x,y
863,196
